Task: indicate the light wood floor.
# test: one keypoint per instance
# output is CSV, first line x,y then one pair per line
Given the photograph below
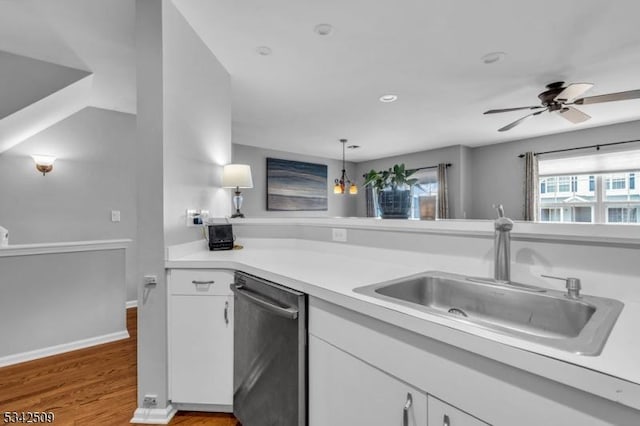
x,y
94,386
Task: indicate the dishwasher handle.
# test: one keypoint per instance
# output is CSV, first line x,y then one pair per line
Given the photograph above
x,y
288,312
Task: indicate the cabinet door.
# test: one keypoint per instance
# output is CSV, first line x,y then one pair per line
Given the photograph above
x,y
201,349
442,414
344,390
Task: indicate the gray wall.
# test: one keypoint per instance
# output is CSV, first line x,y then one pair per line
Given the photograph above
x,y
498,173
483,176
255,199
184,120
94,174
26,80
47,299
456,155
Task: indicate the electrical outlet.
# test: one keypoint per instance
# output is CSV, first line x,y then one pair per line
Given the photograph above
x,y
115,215
196,217
150,281
150,401
339,234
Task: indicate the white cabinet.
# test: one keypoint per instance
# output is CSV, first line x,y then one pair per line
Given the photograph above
x,y
442,414
200,332
344,390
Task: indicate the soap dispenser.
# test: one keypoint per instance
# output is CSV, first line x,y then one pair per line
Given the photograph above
x,y
4,237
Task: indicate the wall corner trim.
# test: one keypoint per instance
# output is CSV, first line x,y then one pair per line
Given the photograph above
x,y
154,416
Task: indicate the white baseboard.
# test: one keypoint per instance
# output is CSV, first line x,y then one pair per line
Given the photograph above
x,y
154,416
131,304
209,408
65,347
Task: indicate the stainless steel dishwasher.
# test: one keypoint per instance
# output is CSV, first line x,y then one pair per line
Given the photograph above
x,y
270,353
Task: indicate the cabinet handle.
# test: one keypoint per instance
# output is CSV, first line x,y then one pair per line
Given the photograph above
x,y
405,410
202,282
445,421
226,312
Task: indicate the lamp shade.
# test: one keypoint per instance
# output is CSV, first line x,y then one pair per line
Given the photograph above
x,y
237,176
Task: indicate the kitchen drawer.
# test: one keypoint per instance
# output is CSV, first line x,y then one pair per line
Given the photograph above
x,y
205,282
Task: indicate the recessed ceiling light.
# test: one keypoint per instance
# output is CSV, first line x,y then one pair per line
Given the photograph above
x,y
353,146
323,29
493,57
263,50
388,98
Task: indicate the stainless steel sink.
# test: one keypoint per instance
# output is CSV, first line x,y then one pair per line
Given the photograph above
x,y
543,316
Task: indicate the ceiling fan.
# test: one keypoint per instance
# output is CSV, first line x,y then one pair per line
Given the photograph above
x,y
560,98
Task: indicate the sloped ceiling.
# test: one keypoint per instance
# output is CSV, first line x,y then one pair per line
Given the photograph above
x,y
24,81
91,35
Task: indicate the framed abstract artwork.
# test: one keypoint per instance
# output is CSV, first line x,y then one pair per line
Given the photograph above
x,y
296,185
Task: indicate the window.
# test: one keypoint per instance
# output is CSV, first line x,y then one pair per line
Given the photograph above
x,y
622,215
426,190
605,198
617,181
564,184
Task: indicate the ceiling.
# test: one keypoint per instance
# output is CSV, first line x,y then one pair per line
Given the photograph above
x,y
313,90
90,35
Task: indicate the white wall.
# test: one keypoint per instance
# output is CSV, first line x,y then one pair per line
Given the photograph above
x,y
184,128
94,174
197,128
255,199
498,173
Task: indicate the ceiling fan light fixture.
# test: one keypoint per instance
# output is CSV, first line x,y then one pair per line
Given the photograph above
x,y
493,57
388,98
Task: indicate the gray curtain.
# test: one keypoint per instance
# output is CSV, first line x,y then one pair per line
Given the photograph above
x,y
443,192
370,194
530,187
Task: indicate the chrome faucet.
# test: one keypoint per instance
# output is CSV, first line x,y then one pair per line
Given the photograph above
x,y
502,247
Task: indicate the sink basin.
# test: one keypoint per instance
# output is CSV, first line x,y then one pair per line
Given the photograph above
x,y
543,316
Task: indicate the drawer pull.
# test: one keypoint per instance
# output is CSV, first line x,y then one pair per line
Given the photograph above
x,y
445,421
405,410
196,282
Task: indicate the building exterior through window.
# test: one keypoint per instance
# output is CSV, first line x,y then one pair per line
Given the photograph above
x,y
590,198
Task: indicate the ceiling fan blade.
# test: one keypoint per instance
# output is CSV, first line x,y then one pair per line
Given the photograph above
x,y
572,91
610,97
515,123
495,111
574,115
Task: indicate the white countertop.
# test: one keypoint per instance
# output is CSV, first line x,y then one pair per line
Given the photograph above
x,y
330,271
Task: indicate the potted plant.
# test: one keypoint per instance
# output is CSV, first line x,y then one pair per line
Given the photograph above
x,y
393,188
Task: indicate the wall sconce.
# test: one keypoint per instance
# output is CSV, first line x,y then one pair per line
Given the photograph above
x,y
237,176
44,163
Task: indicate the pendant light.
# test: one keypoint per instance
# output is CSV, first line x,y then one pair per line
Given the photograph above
x,y
341,184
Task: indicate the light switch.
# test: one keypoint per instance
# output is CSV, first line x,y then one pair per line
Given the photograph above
x,y
115,215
